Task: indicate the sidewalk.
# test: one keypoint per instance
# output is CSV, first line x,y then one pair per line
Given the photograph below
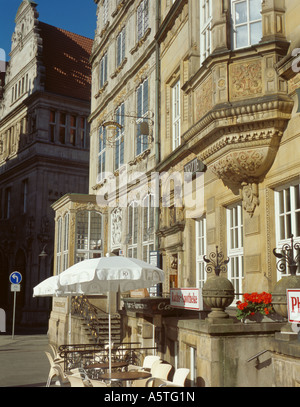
x,y
23,361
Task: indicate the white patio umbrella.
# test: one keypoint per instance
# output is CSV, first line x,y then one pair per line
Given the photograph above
x,y
107,274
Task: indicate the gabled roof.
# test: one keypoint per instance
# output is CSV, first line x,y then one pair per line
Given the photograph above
x,y
65,57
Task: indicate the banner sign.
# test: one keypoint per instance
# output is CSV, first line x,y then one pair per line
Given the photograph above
x,y
187,298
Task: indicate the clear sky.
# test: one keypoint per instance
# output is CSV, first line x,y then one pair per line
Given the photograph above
x,y
78,16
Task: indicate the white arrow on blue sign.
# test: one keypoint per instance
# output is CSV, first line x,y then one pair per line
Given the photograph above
x,y
15,277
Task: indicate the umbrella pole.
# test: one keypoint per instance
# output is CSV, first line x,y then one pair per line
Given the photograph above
x,y
109,332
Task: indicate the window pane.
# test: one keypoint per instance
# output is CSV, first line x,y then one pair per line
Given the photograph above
x,y
241,12
241,36
297,197
255,32
255,8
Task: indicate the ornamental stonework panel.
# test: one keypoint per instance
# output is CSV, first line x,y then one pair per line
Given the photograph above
x,y
203,98
246,80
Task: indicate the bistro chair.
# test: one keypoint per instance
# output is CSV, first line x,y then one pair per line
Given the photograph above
x,y
158,370
147,363
56,357
179,379
55,371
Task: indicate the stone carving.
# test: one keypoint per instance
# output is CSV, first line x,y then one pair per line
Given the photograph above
x,y
204,98
116,227
246,79
250,197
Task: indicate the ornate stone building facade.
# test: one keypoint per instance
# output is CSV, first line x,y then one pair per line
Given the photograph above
x,y
216,83
44,149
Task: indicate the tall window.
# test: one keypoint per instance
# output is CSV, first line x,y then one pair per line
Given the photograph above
x,y
142,112
62,127
103,71
132,229
247,22
66,242
58,246
200,251
121,47
119,152
101,153
287,217
205,26
176,114
83,131
105,11
89,226
235,246
24,195
148,226
7,203
142,18
73,122
52,126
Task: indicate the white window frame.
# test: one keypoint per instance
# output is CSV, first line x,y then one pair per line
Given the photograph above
x,y
205,29
58,245
286,218
119,141
201,275
65,252
248,23
176,124
105,11
235,247
103,71
142,140
121,46
148,225
101,153
88,252
142,18
133,228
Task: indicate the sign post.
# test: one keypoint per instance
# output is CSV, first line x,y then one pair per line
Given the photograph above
x,y
15,279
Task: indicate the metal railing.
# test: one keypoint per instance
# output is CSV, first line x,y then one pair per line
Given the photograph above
x,y
82,355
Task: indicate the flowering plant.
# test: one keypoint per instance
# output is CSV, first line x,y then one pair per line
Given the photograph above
x,y
254,303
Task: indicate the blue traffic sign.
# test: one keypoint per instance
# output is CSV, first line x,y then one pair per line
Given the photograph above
x,y
15,277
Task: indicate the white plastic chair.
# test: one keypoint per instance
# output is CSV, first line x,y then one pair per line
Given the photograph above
x,y
158,370
55,371
179,378
147,363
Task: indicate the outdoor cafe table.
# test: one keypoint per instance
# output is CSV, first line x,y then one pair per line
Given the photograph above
x,y
124,376
96,368
105,365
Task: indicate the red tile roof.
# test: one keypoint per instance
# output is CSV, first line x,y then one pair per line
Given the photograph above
x,y
66,60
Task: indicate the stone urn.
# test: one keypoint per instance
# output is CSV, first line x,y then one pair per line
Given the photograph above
x,y
218,292
291,281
